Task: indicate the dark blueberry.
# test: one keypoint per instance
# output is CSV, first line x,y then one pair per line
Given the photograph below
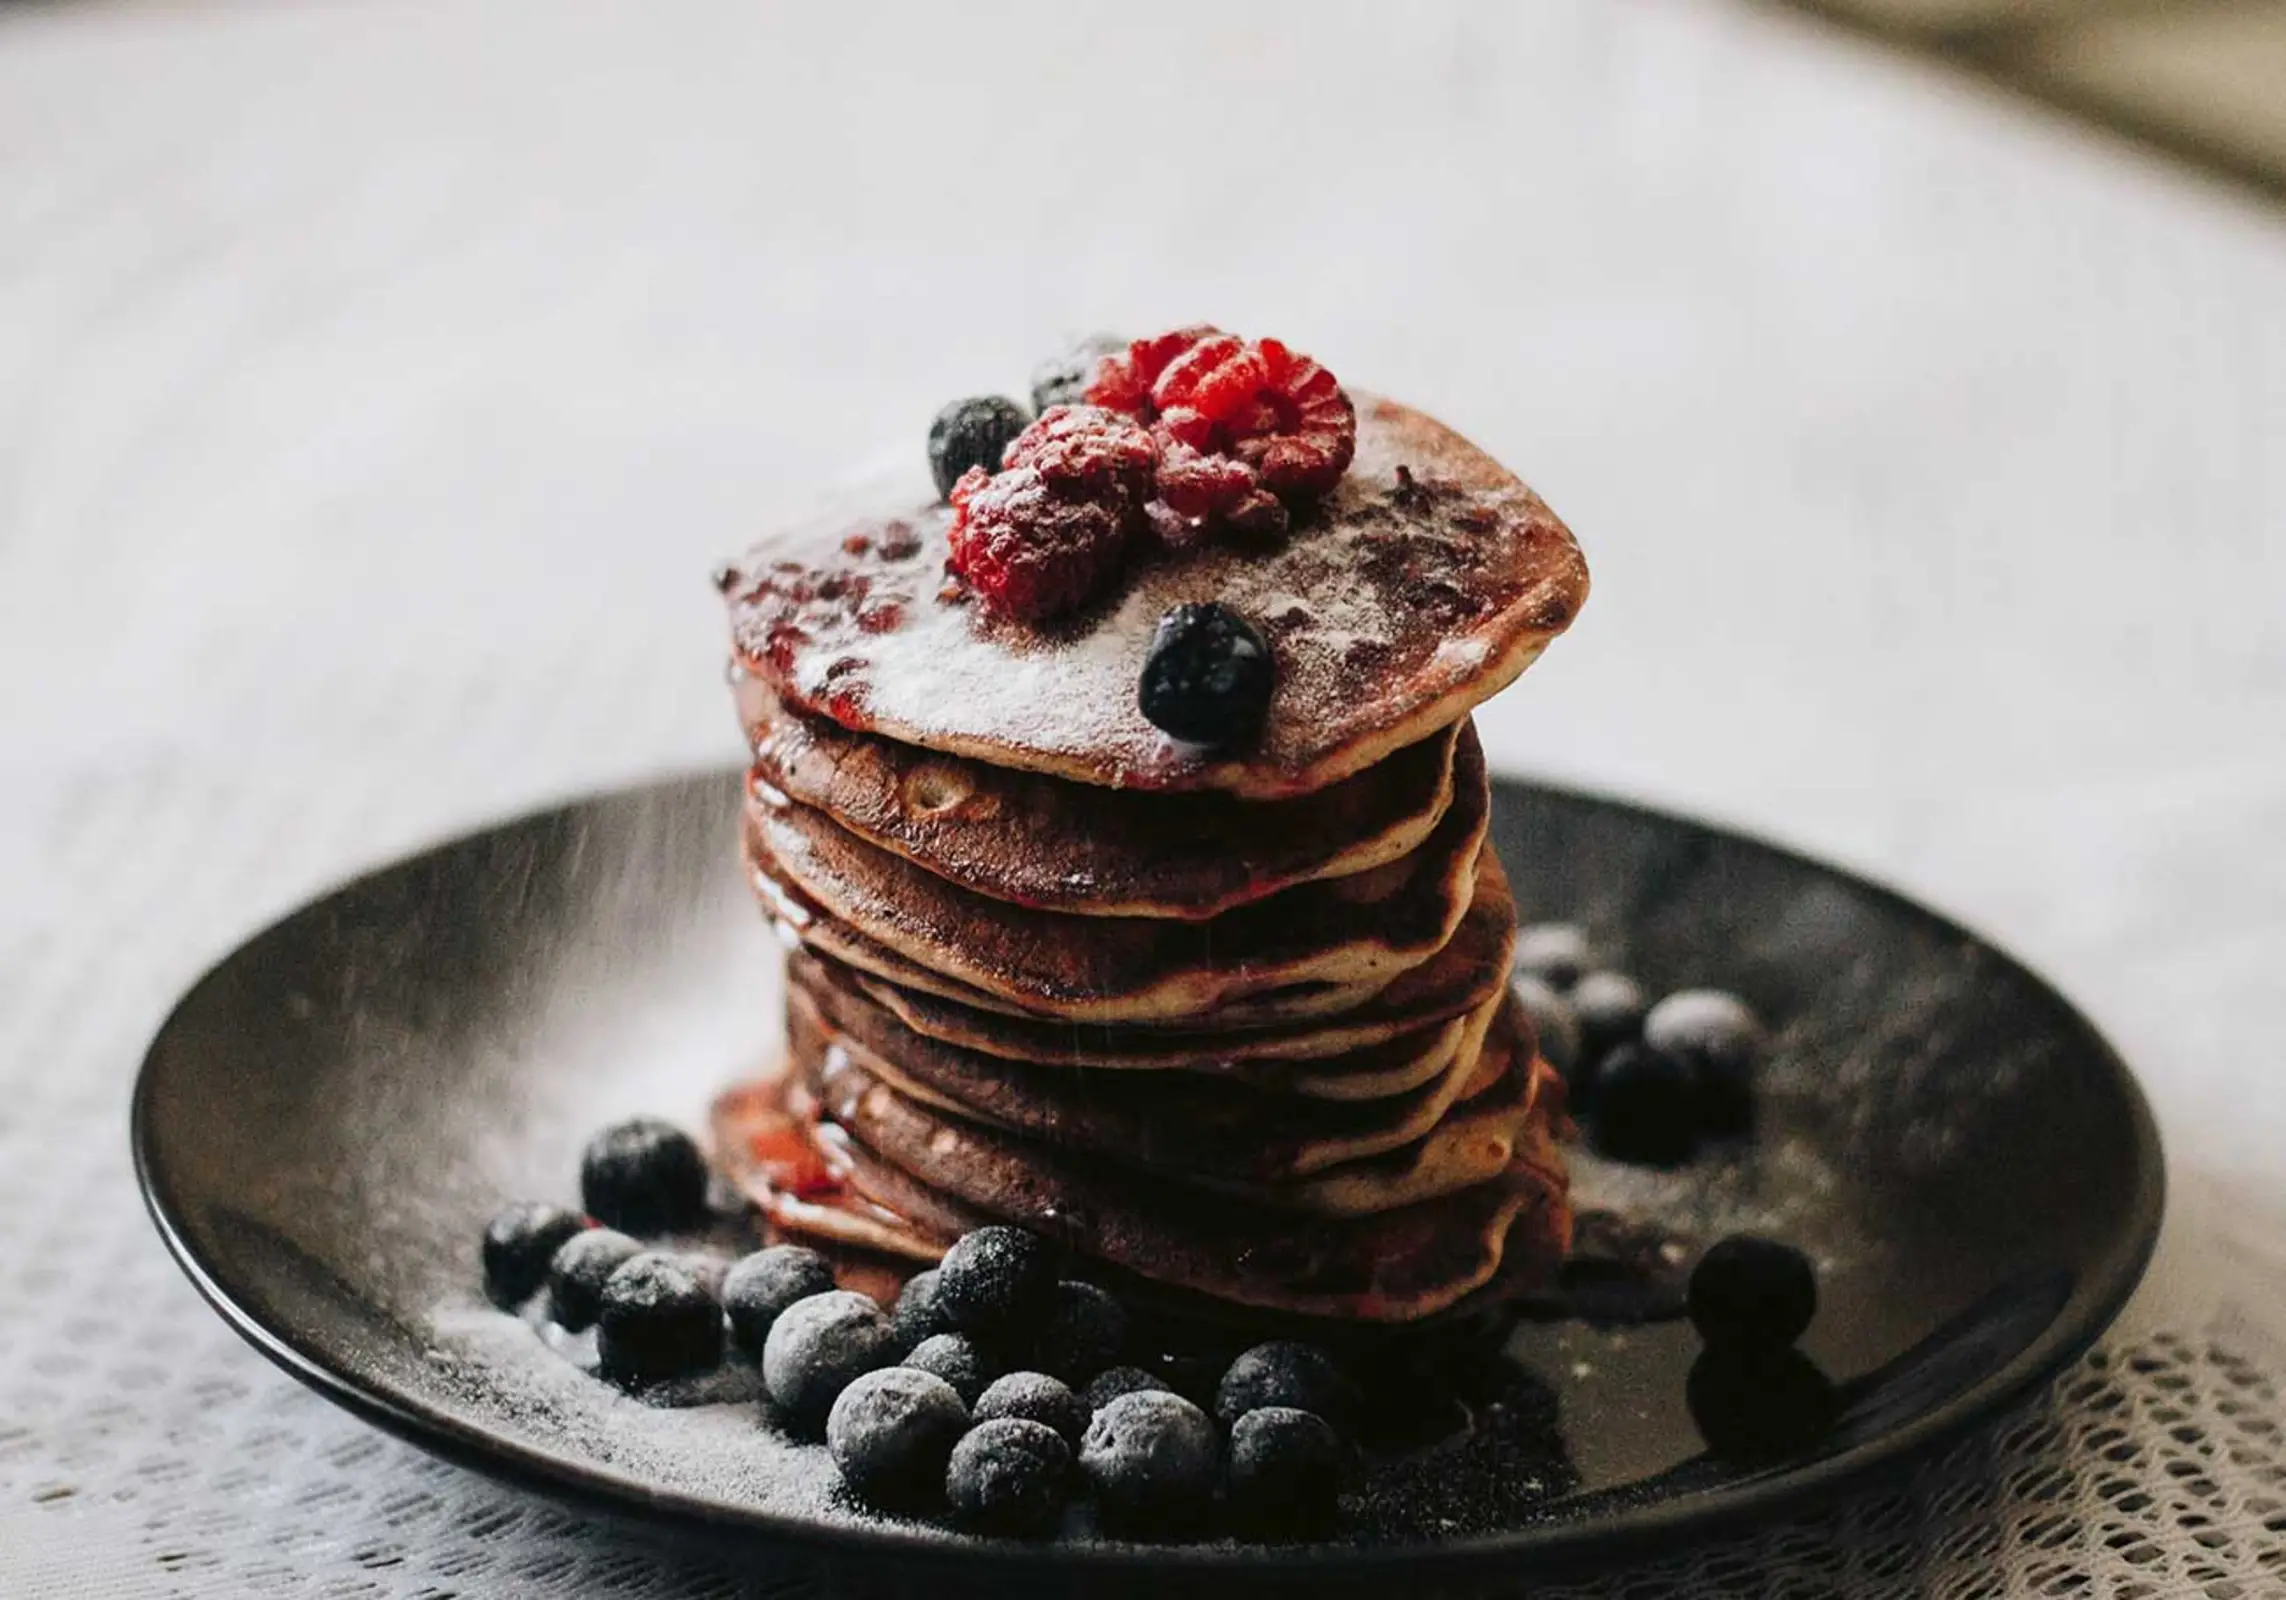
x,y
1062,380
1207,676
1752,1291
644,1177
658,1320
972,433
519,1243
1554,1022
1610,1007
997,1283
1646,1108
1114,1382
1285,1470
1286,1373
1035,1397
577,1274
1151,1458
1009,1476
919,1314
1753,1404
765,1284
1719,1036
817,1347
891,1432
1085,1331
955,1358
1556,953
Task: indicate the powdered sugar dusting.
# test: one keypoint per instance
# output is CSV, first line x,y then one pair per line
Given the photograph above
x,y
1397,604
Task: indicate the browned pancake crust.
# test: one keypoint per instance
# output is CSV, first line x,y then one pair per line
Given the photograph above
x,y
1396,606
1364,929
1088,851
1387,1045
1179,1122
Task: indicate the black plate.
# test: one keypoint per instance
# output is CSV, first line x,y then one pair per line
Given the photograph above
x,y
326,1120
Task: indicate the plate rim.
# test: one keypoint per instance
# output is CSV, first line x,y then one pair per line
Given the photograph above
x,y
1558,1545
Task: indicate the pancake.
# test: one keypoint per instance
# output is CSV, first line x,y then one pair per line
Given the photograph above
x,y
1182,1123
1386,1045
1395,606
1346,932
1393,1265
1474,1144
1086,851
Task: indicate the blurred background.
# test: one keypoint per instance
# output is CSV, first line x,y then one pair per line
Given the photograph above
x,y
378,383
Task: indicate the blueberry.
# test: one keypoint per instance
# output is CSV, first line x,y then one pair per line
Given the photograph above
x,y
1009,1476
644,1177
1719,1036
1207,676
972,433
1646,1108
1285,1470
1151,1459
1062,380
955,1358
1114,1382
817,1347
1753,1404
1085,1331
577,1274
919,1314
1753,1291
891,1432
1610,1007
1035,1397
765,1284
1285,1373
658,1320
519,1243
1554,1022
1554,952
997,1283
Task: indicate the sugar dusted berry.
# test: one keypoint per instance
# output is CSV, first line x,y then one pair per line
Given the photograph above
x,y
1718,1036
1009,1476
817,1348
519,1243
972,433
658,1320
1285,1470
644,1176
1063,379
919,1314
1258,402
1207,676
1113,1383
1646,1108
997,1283
891,1433
1557,953
1151,1458
955,1358
582,1264
1035,1397
1084,1332
1031,552
764,1284
1285,1372
1610,1008
1088,452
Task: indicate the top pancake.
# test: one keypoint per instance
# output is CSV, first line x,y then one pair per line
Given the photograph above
x,y
1392,609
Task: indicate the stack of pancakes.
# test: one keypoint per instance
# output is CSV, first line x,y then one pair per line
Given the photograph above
x,y
1230,1022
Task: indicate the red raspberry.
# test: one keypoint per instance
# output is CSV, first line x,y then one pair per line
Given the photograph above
x,y
1280,413
1087,451
1202,488
1031,551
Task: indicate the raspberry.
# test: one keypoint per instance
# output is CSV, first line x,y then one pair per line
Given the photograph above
x,y
1087,451
1030,551
1279,414
1200,489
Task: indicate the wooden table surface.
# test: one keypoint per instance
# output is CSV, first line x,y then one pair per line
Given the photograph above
x,y
380,382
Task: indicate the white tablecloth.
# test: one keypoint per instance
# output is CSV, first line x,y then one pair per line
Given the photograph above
x,y
377,384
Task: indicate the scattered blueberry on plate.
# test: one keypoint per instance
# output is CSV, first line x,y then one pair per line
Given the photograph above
x,y
955,1358
1646,1108
1152,1459
1115,1382
891,1432
1556,953
658,1319
763,1285
820,1346
1009,1476
644,1176
579,1270
519,1243
1035,1397
1286,1373
997,1283
1751,1291
1085,1331
1285,1470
